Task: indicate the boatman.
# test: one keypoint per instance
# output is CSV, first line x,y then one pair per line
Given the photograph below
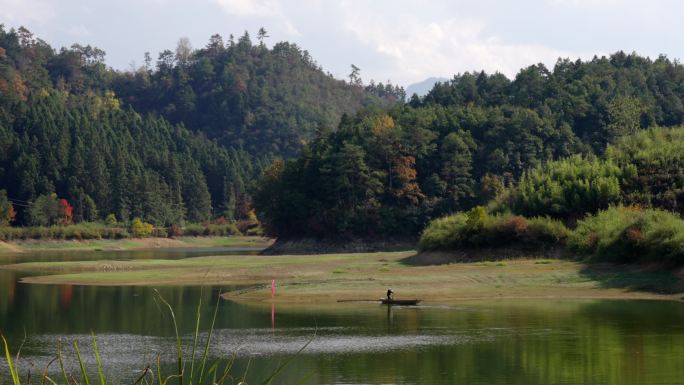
x,y
389,294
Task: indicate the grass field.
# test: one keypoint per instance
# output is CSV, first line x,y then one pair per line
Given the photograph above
x,y
330,277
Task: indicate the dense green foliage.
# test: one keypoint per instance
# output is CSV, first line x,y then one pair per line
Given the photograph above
x,y
389,172
599,100
266,100
185,140
658,156
478,229
568,188
645,169
629,234
617,234
182,142
116,161
642,170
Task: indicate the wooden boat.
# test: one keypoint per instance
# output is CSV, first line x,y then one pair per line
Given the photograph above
x,y
400,302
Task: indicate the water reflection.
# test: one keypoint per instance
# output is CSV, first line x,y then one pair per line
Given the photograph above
x,y
491,342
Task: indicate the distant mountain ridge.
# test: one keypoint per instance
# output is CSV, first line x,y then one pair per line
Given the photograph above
x,y
422,88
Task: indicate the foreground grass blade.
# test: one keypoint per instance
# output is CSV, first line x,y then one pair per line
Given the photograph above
x,y
142,376
97,359
23,342
212,373
244,375
80,362
304,379
51,380
178,338
282,366
45,372
13,370
159,375
61,362
226,370
195,337
205,355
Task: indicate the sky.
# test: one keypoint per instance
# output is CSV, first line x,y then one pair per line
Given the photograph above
x,y
404,41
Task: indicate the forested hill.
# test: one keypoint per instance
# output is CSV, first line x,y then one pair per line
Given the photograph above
x,y
598,100
387,173
183,139
178,142
267,100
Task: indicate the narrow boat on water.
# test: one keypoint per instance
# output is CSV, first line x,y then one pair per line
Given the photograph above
x,y
401,302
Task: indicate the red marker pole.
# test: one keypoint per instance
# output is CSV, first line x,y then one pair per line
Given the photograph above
x,y
273,288
272,316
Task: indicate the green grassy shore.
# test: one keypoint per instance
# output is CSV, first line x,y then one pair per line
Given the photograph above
x,y
32,245
331,277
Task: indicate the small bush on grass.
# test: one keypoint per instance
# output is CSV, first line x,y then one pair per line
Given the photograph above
x,y
194,230
210,229
444,233
247,225
115,233
159,232
546,230
175,231
140,229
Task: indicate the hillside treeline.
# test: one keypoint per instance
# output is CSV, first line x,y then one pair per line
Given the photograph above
x,y
265,100
180,140
388,172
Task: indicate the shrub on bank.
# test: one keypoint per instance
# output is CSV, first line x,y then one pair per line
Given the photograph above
x,y
210,229
630,234
94,230
444,233
81,231
617,234
478,229
140,229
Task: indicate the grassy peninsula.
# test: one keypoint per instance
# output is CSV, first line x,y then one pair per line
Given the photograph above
x,y
331,277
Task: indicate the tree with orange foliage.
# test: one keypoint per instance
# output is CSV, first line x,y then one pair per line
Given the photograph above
x,y
7,213
66,212
405,173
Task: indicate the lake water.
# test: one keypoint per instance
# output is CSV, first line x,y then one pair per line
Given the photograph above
x,y
484,342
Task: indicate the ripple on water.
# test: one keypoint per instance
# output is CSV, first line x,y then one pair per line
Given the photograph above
x,y
123,353
267,342
129,348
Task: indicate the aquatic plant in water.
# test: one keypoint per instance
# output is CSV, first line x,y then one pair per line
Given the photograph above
x,y
197,370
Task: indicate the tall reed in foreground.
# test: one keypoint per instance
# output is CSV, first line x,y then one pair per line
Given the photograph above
x,y
201,372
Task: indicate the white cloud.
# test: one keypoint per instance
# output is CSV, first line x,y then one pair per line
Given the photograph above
x,y
22,12
243,8
78,31
589,3
270,9
420,48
